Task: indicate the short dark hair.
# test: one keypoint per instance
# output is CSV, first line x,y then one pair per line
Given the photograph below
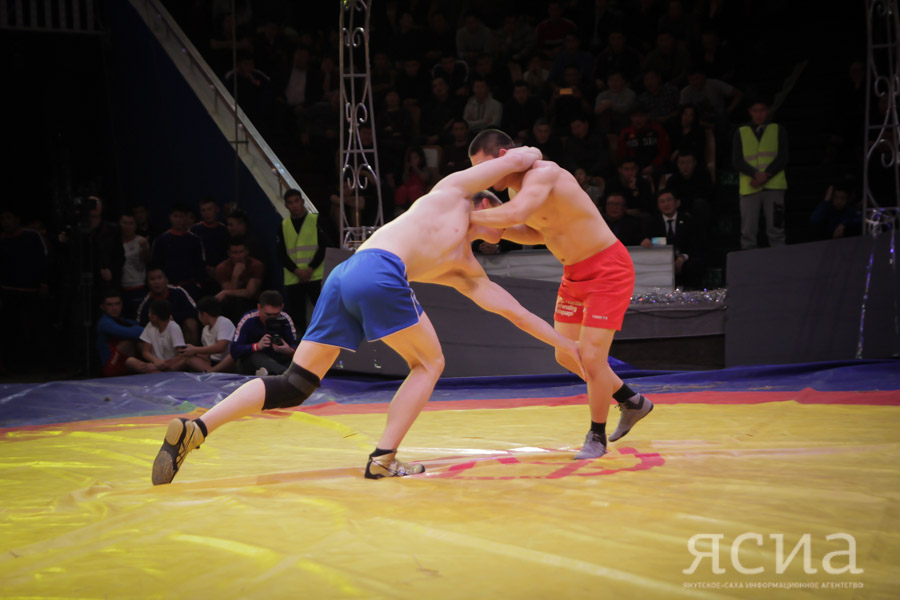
x,y
109,293
162,309
237,241
207,200
291,193
179,207
665,191
209,305
490,141
492,198
271,298
240,215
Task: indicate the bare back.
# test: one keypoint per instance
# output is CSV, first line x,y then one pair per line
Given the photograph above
x,y
572,227
431,237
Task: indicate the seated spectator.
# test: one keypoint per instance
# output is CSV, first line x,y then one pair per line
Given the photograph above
x,y
520,113
214,235
645,141
394,133
514,40
134,271
614,104
440,39
569,101
692,185
180,253
715,100
455,72
636,188
455,155
617,57
413,83
686,133
837,216
714,58
240,276
592,186
660,99
415,181
482,110
536,76
238,225
678,21
161,341
572,55
182,305
142,221
551,32
627,228
498,79
407,39
680,231
265,338
117,338
585,150
23,281
439,113
669,59
543,138
382,76
472,39
215,339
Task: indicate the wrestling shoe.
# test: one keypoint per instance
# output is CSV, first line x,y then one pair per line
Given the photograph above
x,y
630,415
594,446
182,436
387,465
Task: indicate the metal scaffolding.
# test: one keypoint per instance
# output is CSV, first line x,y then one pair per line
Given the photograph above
x,y
359,158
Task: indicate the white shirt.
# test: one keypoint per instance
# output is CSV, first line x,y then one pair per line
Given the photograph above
x,y
222,329
163,342
295,91
134,271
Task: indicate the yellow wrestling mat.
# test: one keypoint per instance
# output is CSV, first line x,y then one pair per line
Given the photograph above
x,y
276,507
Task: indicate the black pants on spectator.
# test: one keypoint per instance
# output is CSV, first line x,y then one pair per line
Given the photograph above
x,y
295,302
275,366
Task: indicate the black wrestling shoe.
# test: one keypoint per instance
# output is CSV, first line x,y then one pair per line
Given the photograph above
x,y
182,436
631,415
387,465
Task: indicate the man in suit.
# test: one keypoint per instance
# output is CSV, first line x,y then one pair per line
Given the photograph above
x,y
679,230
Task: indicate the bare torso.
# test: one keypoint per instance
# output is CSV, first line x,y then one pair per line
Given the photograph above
x,y
572,227
431,237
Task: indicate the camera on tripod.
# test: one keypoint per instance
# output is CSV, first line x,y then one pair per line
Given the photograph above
x,y
274,327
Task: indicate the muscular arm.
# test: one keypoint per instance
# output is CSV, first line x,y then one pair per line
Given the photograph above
x,y
536,185
486,174
523,234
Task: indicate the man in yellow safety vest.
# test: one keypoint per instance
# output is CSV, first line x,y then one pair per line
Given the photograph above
x,y
301,252
760,153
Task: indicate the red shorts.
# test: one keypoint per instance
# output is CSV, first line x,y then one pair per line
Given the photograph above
x,y
115,366
596,291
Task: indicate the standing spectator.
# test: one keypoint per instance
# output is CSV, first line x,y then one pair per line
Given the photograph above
x,y
482,111
224,41
617,57
614,104
455,155
759,154
142,222
262,347
627,228
543,138
645,141
215,339
240,276
710,97
687,134
117,338
551,32
680,232
134,271
270,46
23,279
254,90
472,39
102,245
692,185
238,226
415,181
671,60
661,99
439,113
214,235
520,113
837,216
161,341
300,244
182,305
298,88
180,253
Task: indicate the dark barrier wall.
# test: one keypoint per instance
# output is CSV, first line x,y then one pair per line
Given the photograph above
x,y
168,149
802,303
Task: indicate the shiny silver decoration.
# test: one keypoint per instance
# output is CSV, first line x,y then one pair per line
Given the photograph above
x,y
359,161
678,296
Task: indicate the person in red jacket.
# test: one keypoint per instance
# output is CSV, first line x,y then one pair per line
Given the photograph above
x,y
645,141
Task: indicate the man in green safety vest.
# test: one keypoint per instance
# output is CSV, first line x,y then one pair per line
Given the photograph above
x,y
301,251
760,153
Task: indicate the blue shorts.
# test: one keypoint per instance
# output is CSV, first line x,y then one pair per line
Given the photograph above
x,y
365,297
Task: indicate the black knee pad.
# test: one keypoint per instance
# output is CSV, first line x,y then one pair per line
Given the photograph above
x,y
290,388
